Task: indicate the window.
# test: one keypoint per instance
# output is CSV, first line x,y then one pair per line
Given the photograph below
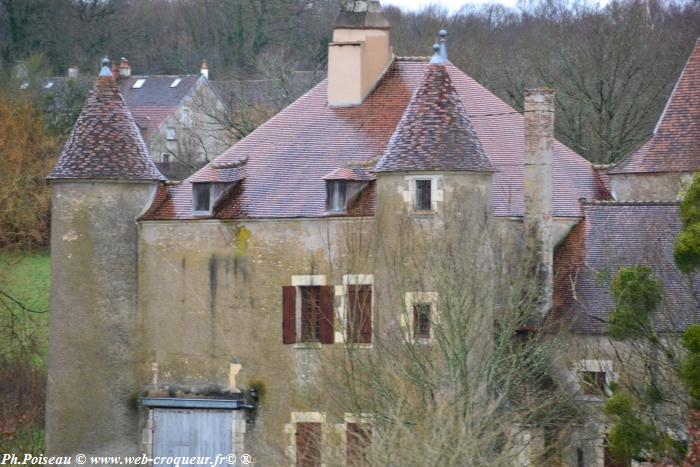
x,y
202,197
307,312
423,195
310,314
359,314
24,85
48,85
138,84
421,320
170,133
336,195
186,118
308,444
165,157
175,82
359,437
593,382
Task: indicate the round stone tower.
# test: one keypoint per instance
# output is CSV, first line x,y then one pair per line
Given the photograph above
x,y
103,181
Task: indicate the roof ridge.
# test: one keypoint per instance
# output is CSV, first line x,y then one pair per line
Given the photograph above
x,y
600,202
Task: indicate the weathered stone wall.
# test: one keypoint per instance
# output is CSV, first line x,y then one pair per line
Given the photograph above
x,y
667,186
93,375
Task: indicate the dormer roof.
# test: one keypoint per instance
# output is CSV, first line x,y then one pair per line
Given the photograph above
x,y
674,145
105,142
435,132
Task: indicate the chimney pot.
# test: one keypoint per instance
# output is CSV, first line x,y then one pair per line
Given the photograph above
x,y
124,68
204,69
73,72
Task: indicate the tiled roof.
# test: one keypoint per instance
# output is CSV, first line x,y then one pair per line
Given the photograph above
x,y
223,172
350,173
105,142
156,90
613,235
150,117
675,144
290,154
435,132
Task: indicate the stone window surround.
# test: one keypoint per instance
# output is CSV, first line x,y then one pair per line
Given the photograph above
x,y
342,313
291,430
437,192
342,428
411,298
298,281
605,366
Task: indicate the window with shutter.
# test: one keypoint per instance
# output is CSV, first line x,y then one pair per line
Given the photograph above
x,y
311,317
359,314
359,437
310,314
289,314
308,444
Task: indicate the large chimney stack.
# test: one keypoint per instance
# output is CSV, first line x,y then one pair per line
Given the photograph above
x,y
204,69
124,69
539,150
360,52
73,72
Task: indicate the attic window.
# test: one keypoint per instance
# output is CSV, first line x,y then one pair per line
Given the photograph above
x,y
48,85
176,82
201,193
138,84
336,195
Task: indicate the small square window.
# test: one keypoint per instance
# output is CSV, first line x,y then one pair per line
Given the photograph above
x,y
170,133
336,195
593,382
165,158
421,320
423,195
202,197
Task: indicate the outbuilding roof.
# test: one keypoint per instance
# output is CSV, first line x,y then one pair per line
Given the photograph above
x,y
290,154
675,144
105,142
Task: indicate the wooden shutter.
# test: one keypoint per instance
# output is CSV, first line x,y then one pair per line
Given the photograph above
x,y
289,314
308,444
360,314
359,436
327,315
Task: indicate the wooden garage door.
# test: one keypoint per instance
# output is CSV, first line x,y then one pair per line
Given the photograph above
x,y
192,432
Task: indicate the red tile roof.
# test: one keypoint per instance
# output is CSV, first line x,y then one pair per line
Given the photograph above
x,y
613,235
350,173
675,144
290,154
435,132
150,118
105,142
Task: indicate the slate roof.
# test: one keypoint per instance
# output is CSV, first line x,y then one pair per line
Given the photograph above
x,y
289,155
105,142
612,235
156,90
435,132
675,144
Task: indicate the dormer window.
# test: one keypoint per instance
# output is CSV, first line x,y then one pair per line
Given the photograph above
x,y
336,195
201,193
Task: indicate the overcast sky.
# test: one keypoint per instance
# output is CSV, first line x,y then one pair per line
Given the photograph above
x,y
451,5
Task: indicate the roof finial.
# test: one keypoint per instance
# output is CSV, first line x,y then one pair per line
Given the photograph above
x,y
105,71
440,48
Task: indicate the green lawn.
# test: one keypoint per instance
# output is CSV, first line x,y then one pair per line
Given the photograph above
x,y
26,278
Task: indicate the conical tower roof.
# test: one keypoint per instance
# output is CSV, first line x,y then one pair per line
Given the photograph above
x,y
105,142
434,132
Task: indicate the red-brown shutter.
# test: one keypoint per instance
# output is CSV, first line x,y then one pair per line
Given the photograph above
x,y
359,437
308,444
360,314
327,315
289,314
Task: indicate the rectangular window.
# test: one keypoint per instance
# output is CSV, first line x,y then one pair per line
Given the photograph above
x,y
165,157
593,382
423,195
359,314
170,133
138,84
421,320
308,444
359,437
336,195
202,196
310,314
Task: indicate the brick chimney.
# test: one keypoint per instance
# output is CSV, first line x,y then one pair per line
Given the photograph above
x,y
360,52
539,149
124,68
115,71
204,69
73,72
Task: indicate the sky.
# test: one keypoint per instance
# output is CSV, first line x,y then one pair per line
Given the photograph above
x,y
451,5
